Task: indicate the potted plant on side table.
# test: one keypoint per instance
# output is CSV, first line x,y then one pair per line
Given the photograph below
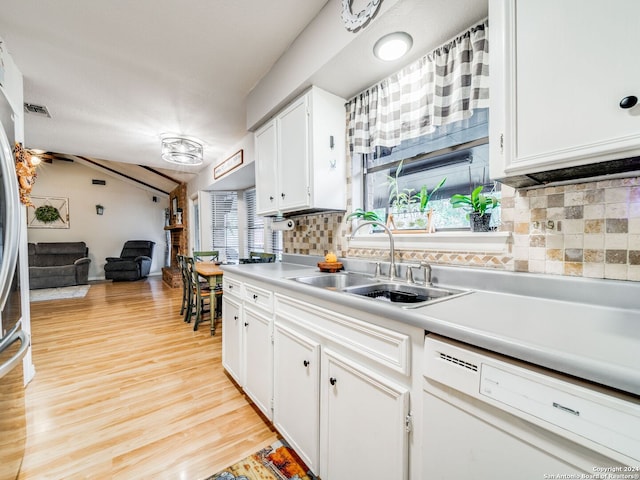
x,y
479,207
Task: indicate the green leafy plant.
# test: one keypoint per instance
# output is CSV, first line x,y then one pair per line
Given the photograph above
x,y
47,214
424,197
400,200
365,215
476,202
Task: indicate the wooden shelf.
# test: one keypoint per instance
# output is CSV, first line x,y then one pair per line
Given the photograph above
x,y
179,240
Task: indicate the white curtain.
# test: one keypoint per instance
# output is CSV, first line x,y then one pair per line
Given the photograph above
x,y
440,88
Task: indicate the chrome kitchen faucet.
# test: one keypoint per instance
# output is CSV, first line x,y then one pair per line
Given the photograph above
x,y
392,264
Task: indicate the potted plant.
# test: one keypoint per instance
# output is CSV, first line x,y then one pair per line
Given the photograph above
x,y
364,215
479,208
423,198
400,201
408,209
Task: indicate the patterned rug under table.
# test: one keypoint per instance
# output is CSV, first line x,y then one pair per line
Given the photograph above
x,y
275,462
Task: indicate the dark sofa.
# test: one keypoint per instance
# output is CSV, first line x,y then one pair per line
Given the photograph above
x,y
58,264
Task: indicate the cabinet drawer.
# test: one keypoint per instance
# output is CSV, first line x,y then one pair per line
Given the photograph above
x,y
379,344
231,286
258,297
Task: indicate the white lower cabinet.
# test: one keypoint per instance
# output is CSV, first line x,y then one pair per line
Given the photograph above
x,y
336,398
337,387
258,365
232,337
247,347
364,415
296,392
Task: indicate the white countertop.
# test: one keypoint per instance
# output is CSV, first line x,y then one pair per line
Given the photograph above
x,y
600,343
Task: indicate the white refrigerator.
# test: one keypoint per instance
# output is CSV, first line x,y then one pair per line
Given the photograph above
x,y
14,340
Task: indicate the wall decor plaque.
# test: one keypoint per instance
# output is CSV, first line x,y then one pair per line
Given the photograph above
x,y
231,163
48,212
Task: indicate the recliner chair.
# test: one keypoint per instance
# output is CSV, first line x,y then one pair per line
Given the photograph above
x,y
134,262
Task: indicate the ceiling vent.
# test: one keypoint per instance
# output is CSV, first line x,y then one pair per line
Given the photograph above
x,y
37,110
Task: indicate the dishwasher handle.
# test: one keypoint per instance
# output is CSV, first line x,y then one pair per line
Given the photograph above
x,y
10,364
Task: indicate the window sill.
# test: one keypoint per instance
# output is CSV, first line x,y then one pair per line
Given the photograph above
x,y
495,242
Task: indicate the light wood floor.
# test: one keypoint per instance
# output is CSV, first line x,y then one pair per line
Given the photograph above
x,y
125,390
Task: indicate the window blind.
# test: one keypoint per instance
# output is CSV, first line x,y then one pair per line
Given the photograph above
x,y
224,221
255,224
258,237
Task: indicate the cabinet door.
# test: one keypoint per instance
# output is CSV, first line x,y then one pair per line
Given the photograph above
x,y
258,359
296,395
232,338
364,434
266,168
562,68
293,148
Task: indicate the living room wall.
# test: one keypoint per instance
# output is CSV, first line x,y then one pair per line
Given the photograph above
x,y
129,213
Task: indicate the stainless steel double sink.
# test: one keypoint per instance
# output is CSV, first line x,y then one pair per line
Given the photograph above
x,y
406,295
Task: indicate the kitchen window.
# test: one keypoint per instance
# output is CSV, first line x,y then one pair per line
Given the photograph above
x,y
457,151
430,118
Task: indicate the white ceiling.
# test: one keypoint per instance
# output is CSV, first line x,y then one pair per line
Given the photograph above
x,y
117,74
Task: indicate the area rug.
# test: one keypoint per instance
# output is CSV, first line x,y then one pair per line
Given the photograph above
x,y
42,294
276,462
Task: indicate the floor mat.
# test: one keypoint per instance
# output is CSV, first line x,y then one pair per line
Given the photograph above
x,y
276,462
42,294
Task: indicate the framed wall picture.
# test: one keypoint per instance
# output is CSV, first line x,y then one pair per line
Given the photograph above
x,y
174,205
48,212
229,164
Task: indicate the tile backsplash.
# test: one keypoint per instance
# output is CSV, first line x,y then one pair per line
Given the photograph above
x,y
589,229
586,229
317,234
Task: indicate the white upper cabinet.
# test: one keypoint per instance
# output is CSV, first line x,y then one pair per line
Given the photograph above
x,y
300,156
559,72
266,168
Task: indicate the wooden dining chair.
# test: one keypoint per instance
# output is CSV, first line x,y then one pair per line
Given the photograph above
x,y
200,297
186,284
264,257
206,255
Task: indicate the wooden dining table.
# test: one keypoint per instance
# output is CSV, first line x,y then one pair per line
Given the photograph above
x,y
212,272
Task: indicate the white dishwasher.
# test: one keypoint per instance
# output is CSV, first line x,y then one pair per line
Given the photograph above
x,y
487,416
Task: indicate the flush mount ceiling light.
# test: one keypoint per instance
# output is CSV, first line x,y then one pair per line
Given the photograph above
x,y
393,46
181,151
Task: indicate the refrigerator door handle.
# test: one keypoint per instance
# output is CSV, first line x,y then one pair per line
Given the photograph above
x,y
12,226
16,360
